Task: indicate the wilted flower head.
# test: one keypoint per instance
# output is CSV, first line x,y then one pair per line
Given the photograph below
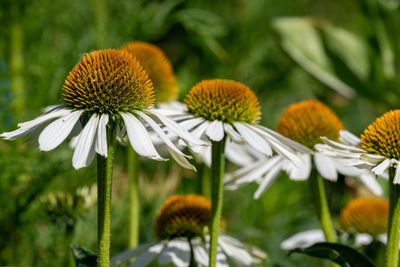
x,y
157,65
107,90
182,225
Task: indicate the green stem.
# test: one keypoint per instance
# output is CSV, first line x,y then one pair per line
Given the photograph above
x,y
104,182
392,250
17,61
133,176
321,205
217,172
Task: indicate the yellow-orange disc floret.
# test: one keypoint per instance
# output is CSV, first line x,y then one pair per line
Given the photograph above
x,y
108,81
223,100
382,137
183,216
159,68
366,215
306,121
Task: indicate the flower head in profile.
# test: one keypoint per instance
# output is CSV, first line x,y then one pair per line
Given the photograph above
x,y
376,150
217,109
158,67
304,123
182,226
366,217
107,91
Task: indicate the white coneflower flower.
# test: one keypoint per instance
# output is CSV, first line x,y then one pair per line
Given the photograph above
x,y
182,226
367,217
215,109
304,122
106,85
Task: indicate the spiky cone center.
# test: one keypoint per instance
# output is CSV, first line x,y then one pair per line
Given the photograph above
x,y
183,216
382,137
159,68
224,100
366,215
108,81
306,121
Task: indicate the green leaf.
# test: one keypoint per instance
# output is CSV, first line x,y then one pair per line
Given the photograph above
x,y
83,257
341,254
302,42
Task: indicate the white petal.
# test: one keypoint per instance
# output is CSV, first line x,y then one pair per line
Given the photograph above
x,y
191,123
101,139
147,257
325,167
177,252
56,132
299,172
222,261
129,254
239,255
17,133
237,153
173,150
363,239
267,166
235,136
303,239
199,252
396,179
178,130
348,138
371,183
341,146
215,131
381,167
52,114
139,137
267,180
84,151
253,139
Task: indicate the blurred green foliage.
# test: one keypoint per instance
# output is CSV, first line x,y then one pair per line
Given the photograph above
x,y
40,41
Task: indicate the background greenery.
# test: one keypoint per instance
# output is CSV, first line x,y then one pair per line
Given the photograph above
x,y
40,41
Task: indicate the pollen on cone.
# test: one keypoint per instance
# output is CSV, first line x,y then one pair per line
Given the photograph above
x,y
306,121
108,81
224,100
159,68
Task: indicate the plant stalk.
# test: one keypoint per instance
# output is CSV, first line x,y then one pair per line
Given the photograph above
x,y
104,183
217,173
392,249
133,176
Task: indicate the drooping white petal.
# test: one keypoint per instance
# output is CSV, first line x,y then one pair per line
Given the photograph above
x,y
253,139
303,239
363,239
17,133
139,137
348,138
267,166
198,133
267,180
235,136
199,252
325,167
191,123
84,150
222,261
396,179
129,254
341,146
178,130
370,182
237,153
236,253
371,159
148,256
56,132
101,139
382,167
177,251
215,130
52,114
299,172
173,150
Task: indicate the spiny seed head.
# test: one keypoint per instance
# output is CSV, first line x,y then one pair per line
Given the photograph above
x,y
366,215
382,137
183,216
157,65
306,121
108,81
223,100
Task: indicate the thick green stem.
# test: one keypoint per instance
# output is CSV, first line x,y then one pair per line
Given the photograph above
x,y
133,176
217,173
17,61
392,250
104,182
321,205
